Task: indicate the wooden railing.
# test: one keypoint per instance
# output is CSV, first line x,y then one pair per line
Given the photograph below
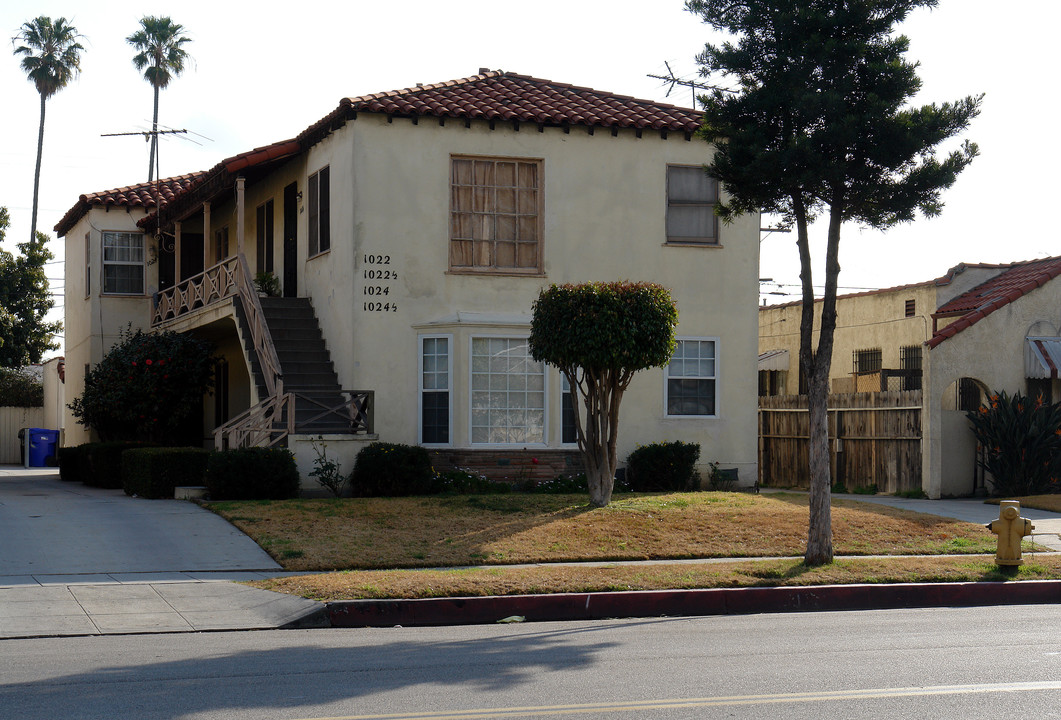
x,y
264,425
213,284
263,341
269,422
356,411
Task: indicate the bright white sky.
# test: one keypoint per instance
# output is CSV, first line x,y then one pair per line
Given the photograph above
x,y
263,71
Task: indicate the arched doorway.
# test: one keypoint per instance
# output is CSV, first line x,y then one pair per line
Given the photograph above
x,y
960,474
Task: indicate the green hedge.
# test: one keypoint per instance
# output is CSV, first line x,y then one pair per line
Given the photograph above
x,y
663,467
100,464
155,472
69,463
252,474
392,470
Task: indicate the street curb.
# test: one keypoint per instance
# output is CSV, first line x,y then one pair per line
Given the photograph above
x,y
674,603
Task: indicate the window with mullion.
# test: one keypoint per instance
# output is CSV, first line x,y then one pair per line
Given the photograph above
x,y
123,263
691,378
691,200
507,392
495,214
435,373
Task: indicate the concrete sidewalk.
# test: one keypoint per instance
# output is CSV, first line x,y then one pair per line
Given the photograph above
x,y
76,560
974,510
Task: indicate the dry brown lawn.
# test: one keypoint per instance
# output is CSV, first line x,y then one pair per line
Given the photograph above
x,y
369,584
370,533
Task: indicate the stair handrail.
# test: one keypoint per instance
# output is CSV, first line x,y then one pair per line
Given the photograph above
x,y
263,340
356,409
264,425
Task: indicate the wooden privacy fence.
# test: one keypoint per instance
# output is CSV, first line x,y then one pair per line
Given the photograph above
x,y
874,439
13,419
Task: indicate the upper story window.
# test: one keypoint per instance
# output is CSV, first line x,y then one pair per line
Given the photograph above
x,y
318,187
911,308
691,200
692,378
123,263
867,361
495,215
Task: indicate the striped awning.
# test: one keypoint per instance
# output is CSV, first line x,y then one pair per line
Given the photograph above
x,y
1042,357
774,360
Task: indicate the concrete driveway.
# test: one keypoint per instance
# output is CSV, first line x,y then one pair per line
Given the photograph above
x,y
76,560
51,527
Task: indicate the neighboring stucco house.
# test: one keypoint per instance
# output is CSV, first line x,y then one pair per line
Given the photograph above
x,y
979,328
411,232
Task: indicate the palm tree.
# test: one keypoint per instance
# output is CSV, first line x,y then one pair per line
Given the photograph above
x,y
158,43
52,57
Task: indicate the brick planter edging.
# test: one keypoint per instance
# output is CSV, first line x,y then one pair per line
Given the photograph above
x,y
656,603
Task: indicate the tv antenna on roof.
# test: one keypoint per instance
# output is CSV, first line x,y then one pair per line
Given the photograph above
x,y
693,85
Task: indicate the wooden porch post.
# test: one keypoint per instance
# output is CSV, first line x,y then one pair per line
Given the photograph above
x,y
240,220
207,236
176,253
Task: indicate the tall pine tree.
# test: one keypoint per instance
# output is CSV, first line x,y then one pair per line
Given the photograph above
x,y
819,124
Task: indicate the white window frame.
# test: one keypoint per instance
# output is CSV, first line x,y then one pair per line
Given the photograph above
x,y
715,378
421,389
142,264
471,389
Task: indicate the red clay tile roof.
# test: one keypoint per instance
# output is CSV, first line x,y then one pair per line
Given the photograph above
x,y
218,176
491,96
142,195
508,97
1011,284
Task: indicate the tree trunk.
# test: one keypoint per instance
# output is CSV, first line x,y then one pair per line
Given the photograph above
x,y
37,176
154,140
598,436
816,362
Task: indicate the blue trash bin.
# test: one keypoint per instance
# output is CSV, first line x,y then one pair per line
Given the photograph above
x,y
42,443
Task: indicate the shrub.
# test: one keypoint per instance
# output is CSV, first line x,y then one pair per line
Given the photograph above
x,y
101,463
461,481
70,463
721,479
663,466
391,470
1021,439
252,474
148,387
327,472
155,472
19,389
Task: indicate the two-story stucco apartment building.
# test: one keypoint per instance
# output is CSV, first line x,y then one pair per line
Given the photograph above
x,y
411,232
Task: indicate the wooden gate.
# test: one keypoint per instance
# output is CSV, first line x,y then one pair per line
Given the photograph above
x,y
874,439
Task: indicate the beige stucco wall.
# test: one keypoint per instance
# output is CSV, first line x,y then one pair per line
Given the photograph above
x,y
93,322
863,322
604,210
992,352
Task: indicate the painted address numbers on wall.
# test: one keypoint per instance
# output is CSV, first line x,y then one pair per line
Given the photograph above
x,y
378,274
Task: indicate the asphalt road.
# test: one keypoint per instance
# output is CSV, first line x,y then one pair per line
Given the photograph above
x,y
943,663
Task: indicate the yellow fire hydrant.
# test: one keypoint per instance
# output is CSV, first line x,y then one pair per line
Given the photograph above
x,y
1010,528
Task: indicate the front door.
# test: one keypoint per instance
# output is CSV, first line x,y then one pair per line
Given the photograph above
x,y
291,240
191,255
